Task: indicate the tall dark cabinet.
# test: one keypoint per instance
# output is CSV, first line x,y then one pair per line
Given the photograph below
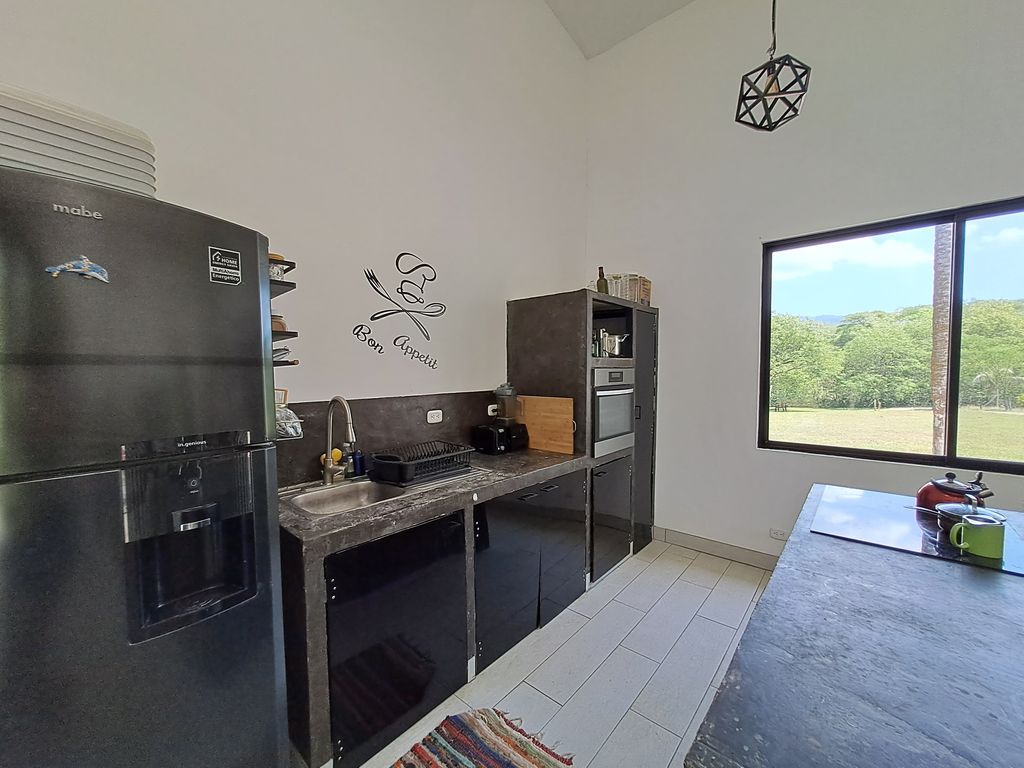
x,y
396,634
549,353
645,329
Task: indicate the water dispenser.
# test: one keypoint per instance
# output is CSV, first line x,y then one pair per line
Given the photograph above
x,y
189,540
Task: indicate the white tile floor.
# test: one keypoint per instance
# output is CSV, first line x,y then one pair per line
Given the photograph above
x,y
626,675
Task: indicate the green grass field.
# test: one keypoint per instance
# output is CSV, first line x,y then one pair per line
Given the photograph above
x,y
987,434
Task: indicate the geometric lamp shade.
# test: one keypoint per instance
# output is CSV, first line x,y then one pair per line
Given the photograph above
x,y
771,95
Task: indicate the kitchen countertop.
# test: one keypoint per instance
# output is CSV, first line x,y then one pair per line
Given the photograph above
x,y
859,656
504,474
307,539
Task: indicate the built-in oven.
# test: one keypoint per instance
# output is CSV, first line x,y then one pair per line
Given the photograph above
x,y
613,410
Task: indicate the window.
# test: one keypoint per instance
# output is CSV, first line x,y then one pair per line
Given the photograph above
x,y
901,341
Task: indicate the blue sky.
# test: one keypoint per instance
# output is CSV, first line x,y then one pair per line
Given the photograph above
x,y
888,272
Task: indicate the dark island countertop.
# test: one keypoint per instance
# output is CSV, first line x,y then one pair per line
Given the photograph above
x,y
503,474
859,657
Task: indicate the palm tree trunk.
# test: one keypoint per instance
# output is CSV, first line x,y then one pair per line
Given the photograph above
x,y
941,306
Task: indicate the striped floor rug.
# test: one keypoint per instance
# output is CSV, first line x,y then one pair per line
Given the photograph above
x,y
481,738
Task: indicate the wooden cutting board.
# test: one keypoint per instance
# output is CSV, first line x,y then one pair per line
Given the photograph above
x,y
549,422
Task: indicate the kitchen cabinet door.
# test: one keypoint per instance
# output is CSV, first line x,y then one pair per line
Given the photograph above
x,y
507,574
530,561
396,634
561,513
646,361
611,512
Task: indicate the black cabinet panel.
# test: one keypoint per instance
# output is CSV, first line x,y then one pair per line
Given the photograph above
x,y
612,515
507,570
562,525
530,561
646,345
397,639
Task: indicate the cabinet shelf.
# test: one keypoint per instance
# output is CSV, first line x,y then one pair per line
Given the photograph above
x,y
605,302
611,362
278,287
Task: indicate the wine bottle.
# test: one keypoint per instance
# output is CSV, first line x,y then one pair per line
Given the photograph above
x,y
602,283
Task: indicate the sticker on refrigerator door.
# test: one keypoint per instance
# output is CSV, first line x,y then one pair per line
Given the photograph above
x,y
225,266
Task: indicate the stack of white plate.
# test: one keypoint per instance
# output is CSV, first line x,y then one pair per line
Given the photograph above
x,y
46,136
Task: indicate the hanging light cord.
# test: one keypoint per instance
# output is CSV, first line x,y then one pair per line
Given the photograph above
x,y
771,50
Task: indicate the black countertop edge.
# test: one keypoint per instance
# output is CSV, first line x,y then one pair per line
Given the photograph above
x,y
325,534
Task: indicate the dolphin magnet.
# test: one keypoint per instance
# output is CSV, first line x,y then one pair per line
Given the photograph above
x,y
83,267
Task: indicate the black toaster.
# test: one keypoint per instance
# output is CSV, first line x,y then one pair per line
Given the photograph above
x,y
500,438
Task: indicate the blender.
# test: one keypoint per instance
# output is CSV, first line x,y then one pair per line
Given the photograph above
x,y
504,433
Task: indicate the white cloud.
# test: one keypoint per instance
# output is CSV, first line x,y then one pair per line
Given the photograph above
x,y
873,252
1005,236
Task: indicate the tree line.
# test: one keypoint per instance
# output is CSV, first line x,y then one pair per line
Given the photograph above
x,y
883,359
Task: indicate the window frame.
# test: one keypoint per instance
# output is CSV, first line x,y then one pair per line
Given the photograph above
x,y
958,217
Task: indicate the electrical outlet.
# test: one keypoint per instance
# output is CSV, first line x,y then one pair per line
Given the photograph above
x,y
778,534
492,409
435,416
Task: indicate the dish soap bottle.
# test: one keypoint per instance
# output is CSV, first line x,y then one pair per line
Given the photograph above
x,y
602,283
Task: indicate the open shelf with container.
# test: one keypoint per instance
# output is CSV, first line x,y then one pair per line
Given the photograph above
x,y
279,267
612,319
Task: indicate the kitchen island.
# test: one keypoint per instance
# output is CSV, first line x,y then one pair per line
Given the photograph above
x,y
859,656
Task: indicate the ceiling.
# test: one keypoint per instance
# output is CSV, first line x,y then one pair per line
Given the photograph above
x,y
597,25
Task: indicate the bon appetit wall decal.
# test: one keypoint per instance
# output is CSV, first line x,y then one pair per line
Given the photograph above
x,y
409,304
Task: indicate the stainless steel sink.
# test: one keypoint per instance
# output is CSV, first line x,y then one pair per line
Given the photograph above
x,y
346,496
331,499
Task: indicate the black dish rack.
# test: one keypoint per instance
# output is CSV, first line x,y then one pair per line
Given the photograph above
x,y
420,462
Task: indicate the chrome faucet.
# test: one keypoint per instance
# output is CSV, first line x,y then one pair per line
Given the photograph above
x,y
332,470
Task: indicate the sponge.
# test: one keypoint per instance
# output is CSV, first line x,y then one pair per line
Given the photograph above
x,y
335,456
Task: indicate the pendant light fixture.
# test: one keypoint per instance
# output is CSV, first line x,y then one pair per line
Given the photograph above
x,y
771,95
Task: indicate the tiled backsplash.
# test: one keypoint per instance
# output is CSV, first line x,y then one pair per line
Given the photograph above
x,y
380,423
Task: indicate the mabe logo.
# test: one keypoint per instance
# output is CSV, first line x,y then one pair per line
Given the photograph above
x,y
78,210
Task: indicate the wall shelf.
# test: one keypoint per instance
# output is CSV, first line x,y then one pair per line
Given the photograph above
x,y
278,287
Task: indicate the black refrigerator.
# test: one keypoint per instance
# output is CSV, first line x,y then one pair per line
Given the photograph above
x,y
140,615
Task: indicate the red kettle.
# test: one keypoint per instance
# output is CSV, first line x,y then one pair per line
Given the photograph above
x,y
949,490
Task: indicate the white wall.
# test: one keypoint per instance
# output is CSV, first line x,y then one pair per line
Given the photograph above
x,y
914,106
349,131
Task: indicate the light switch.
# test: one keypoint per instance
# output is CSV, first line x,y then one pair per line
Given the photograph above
x,y
435,417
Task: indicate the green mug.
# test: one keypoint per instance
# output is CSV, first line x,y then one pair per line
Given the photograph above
x,y
979,535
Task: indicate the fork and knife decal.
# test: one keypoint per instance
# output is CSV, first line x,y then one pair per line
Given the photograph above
x,y
411,290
